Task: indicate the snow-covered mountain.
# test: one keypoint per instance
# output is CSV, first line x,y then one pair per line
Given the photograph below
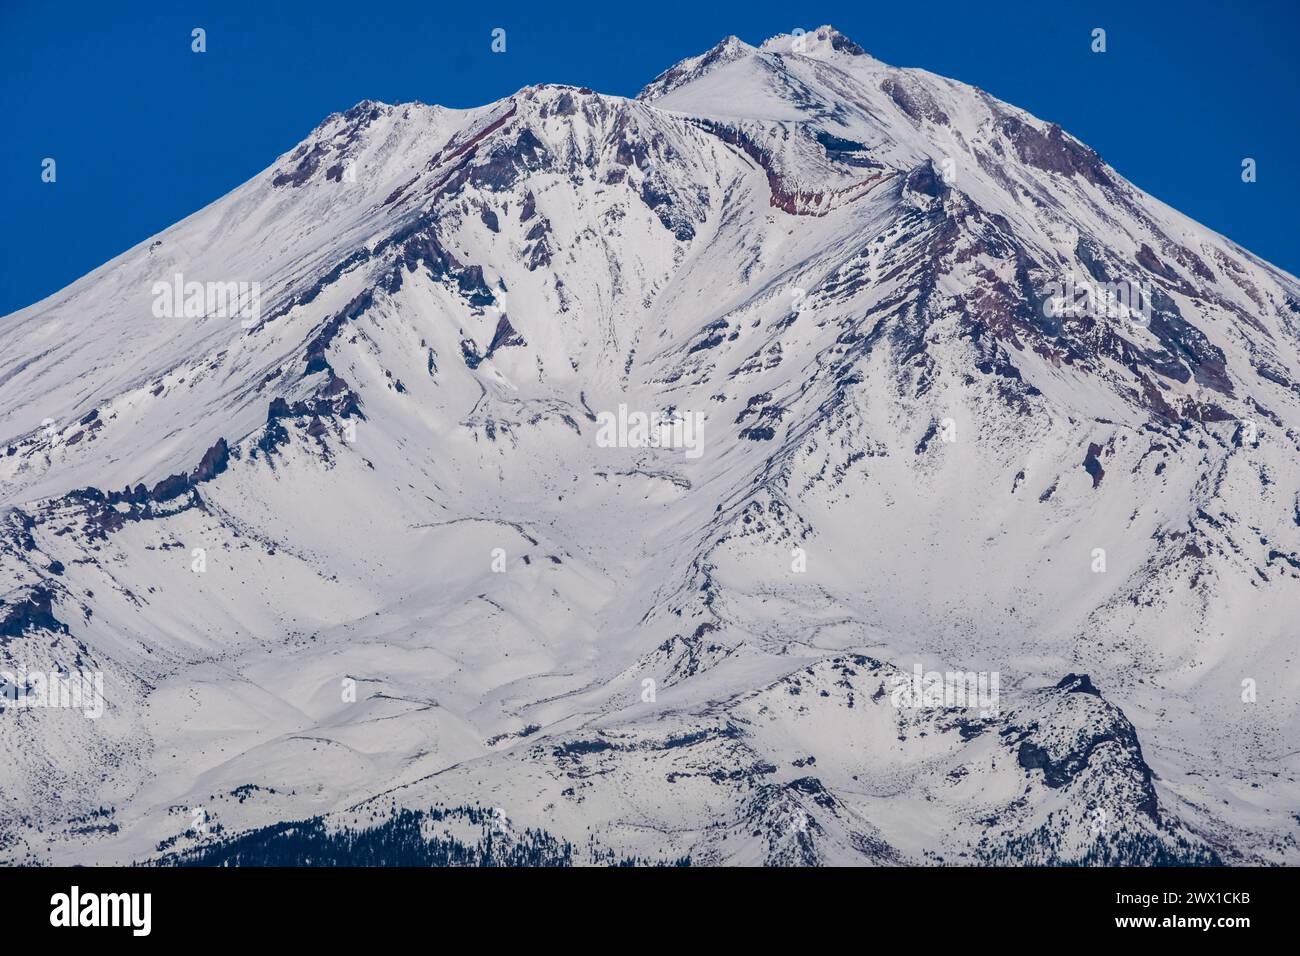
x,y
955,397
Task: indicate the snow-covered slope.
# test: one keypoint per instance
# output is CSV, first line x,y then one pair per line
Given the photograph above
x,y
371,549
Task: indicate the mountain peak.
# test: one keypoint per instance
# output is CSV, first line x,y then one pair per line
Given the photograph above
x,y
502,416
822,43
725,51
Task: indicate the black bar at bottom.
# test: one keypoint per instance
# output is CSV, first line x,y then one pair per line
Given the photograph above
x,y
239,906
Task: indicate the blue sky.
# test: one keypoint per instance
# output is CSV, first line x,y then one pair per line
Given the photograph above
x,y
145,132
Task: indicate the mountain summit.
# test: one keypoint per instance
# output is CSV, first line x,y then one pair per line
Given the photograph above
x,y
805,461
821,44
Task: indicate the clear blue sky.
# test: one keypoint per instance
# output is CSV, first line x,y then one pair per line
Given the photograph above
x,y
145,132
